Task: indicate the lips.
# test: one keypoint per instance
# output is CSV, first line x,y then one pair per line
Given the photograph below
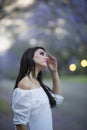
x,y
46,61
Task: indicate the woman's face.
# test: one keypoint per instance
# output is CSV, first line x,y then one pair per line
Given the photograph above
x,y
40,58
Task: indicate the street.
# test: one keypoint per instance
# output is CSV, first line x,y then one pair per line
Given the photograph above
x,y
71,115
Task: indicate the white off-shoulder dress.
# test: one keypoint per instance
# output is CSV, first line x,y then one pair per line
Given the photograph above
x,y
32,108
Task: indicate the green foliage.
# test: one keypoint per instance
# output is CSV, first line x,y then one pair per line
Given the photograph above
x,y
77,78
4,106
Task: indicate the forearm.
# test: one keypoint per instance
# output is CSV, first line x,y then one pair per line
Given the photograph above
x,y
56,83
21,127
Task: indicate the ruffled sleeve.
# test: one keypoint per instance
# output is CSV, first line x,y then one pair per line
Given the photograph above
x,y
59,99
21,106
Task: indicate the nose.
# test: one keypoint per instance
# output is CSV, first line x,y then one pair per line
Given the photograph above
x,y
47,58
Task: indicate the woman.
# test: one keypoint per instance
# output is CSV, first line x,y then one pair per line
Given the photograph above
x,y
32,100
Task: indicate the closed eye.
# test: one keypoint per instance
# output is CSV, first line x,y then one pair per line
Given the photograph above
x,y
42,53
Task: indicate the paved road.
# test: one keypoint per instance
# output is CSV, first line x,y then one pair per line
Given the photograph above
x,y
71,115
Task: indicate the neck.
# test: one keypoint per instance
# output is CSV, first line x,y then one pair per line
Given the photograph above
x,y
37,70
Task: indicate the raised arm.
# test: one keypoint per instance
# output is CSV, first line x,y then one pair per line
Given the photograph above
x,y
52,65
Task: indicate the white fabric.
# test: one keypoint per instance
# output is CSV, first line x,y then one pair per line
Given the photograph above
x,y
32,107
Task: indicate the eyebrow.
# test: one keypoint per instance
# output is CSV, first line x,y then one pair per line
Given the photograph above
x,y
43,51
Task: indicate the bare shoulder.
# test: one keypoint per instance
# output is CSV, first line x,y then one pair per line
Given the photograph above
x,y
25,83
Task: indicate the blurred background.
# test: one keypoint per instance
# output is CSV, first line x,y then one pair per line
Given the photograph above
x,y
60,26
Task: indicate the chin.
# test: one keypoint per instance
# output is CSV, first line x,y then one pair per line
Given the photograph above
x,y
43,66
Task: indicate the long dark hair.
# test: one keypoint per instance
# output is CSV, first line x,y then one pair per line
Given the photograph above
x,y
27,65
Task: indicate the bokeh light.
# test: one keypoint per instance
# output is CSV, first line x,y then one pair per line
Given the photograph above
x,y
5,44
25,3
33,42
84,63
72,67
